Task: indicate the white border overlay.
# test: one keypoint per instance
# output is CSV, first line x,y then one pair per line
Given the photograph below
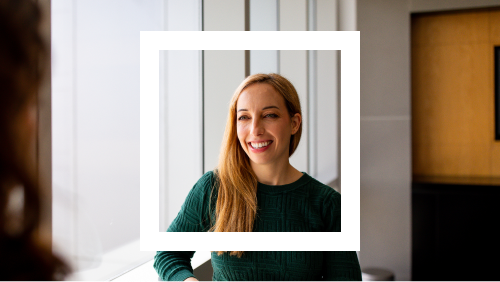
x,y
154,41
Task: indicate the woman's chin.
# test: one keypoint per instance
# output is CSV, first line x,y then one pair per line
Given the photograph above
x,y
260,162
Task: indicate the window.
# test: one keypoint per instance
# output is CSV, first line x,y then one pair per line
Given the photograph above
x,y
95,112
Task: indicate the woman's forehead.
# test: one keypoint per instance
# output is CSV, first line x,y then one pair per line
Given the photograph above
x,y
259,95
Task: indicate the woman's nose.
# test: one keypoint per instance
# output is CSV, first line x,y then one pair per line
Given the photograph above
x,y
257,128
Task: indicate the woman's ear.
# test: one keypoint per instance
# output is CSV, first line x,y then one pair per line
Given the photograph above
x,y
296,120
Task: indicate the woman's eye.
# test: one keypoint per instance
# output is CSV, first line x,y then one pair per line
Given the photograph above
x,y
242,118
271,115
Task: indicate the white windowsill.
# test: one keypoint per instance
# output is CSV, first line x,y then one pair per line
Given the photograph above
x,y
113,263
127,263
146,272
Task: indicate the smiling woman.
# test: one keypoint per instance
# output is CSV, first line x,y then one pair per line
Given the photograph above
x,y
264,109
255,189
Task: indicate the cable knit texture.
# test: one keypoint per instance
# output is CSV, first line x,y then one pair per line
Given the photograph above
x,y
303,206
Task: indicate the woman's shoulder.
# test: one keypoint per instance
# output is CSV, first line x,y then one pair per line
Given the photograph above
x,y
206,182
322,190
207,178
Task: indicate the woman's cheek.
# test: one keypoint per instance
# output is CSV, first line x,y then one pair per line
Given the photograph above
x,y
239,132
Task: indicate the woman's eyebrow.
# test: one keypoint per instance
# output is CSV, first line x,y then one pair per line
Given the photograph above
x,y
265,108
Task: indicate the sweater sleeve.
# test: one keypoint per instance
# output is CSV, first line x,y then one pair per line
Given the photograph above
x,y
174,266
193,217
339,265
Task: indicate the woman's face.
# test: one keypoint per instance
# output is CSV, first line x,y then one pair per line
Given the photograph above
x,y
264,125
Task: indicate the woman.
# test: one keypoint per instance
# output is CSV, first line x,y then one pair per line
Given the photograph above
x,y
255,189
23,256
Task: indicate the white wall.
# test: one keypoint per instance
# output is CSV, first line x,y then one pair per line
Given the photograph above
x,y
294,65
327,100
181,149
264,17
385,128
223,72
385,136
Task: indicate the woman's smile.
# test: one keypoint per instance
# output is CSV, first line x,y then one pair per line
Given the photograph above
x,y
259,146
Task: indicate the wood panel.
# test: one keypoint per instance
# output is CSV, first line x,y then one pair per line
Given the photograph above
x,y
453,94
449,101
494,18
450,28
452,160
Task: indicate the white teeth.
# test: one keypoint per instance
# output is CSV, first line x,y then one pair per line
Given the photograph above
x,y
260,145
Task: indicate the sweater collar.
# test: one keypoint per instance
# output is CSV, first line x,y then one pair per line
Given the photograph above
x,y
284,188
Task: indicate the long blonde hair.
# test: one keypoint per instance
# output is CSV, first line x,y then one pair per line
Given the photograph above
x,y
237,184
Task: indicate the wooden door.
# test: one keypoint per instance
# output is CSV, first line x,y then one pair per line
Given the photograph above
x,y
453,93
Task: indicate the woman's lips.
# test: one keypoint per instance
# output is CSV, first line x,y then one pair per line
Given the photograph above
x,y
259,146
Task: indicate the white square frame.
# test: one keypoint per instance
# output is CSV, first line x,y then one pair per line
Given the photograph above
x,y
151,42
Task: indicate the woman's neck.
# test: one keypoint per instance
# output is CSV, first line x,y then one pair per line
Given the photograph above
x,y
276,174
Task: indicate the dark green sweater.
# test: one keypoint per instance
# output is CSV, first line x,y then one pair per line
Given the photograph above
x,y
303,206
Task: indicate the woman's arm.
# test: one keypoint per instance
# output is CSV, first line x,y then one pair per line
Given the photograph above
x,y
174,266
193,217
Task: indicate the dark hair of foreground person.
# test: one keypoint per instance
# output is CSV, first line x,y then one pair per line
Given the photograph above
x,y
23,54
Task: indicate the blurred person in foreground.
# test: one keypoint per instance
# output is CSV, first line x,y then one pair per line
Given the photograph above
x,y
23,54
